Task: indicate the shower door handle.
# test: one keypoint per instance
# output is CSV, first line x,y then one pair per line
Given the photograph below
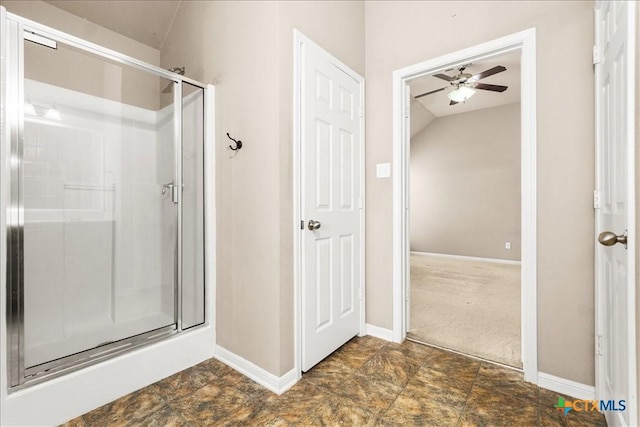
x,y
174,191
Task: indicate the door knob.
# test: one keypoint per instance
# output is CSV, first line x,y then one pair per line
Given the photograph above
x,y
607,238
313,225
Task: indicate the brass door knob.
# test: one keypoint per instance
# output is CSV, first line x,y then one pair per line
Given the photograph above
x,y
607,238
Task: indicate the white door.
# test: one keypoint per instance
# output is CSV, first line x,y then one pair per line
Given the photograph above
x,y
615,299
331,186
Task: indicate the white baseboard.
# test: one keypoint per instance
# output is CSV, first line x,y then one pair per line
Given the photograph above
x,y
265,378
378,332
567,387
468,258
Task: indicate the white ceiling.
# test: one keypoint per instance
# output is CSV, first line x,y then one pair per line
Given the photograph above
x,y
147,21
438,103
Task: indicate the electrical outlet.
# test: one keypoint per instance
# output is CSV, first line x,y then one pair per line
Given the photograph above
x,y
507,245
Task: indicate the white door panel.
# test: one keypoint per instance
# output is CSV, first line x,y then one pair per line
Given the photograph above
x,y
330,186
615,361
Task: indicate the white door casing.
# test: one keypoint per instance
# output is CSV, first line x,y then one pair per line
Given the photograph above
x,y
331,193
615,210
526,42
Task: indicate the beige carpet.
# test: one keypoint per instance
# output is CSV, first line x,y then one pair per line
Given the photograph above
x,y
468,306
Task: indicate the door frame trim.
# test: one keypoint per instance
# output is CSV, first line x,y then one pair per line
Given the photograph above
x,y
299,39
526,42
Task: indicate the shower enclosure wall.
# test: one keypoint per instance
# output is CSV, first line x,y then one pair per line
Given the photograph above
x,y
103,174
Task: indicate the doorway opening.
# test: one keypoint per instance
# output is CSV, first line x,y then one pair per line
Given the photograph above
x,y
521,45
464,209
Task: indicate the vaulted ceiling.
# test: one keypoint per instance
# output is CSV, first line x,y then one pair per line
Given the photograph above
x,y
438,103
147,21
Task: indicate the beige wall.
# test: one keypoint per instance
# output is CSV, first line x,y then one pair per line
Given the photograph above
x,y
234,46
246,50
72,69
465,184
399,34
419,117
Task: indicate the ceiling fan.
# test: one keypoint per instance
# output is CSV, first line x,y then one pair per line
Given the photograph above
x,y
465,84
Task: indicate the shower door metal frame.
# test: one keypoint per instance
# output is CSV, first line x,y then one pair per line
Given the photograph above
x,y
13,48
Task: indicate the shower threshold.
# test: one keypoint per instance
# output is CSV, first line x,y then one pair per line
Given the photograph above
x,y
72,362
107,332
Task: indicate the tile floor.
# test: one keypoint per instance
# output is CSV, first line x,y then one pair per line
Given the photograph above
x,y
366,382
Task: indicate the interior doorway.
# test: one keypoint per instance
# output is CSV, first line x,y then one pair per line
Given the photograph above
x,y
525,43
464,209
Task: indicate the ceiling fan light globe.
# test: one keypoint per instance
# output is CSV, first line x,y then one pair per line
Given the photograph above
x,y
461,94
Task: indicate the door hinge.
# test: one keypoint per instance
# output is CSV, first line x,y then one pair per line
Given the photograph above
x,y
302,224
596,199
596,55
599,345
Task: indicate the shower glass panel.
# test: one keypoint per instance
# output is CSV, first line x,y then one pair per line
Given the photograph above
x,y
192,205
100,209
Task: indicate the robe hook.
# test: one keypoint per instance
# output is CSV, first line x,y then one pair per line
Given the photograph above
x,y
238,143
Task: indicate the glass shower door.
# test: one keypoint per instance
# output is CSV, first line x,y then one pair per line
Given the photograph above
x,y
98,190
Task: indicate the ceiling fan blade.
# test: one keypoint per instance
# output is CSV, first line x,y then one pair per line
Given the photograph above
x,y
429,93
444,77
490,72
452,103
494,88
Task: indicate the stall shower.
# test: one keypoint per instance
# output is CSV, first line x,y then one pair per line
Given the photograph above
x,y
105,210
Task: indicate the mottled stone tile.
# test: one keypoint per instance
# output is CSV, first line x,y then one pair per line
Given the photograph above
x,y
297,402
251,413
373,394
212,404
588,419
76,422
126,410
414,410
507,381
464,368
246,385
165,417
358,351
429,384
485,407
548,398
261,416
367,342
215,366
329,373
549,419
391,365
339,411
184,383
573,419
414,351
277,422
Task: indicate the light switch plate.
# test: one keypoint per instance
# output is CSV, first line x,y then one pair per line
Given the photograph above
x,y
383,170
